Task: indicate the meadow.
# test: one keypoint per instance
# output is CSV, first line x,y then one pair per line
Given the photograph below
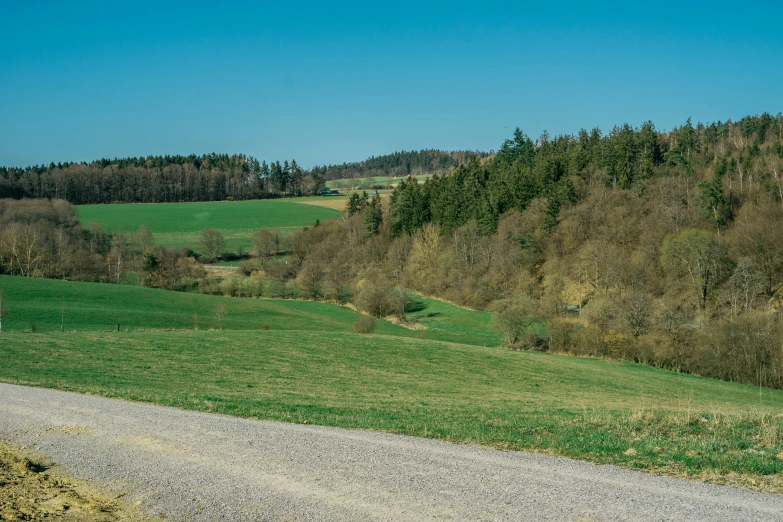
x,y
46,305
461,324
622,413
179,224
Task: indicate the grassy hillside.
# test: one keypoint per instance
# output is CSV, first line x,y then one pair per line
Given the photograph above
x,y
628,414
179,224
461,324
100,306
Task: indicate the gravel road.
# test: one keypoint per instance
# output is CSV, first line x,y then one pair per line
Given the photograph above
x,y
203,467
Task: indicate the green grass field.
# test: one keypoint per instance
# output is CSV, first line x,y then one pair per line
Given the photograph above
x,y
628,414
101,306
461,324
179,224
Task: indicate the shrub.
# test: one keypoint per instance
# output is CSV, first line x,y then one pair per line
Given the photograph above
x,y
265,326
535,342
365,324
228,287
515,316
563,335
373,299
248,267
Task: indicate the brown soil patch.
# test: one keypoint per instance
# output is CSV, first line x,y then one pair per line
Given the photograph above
x,y
335,202
31,488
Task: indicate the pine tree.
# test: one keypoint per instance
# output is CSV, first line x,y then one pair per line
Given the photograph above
x,y
716,208
488,216
373,216
356,203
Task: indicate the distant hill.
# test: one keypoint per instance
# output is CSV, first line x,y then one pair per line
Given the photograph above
x,y
403,163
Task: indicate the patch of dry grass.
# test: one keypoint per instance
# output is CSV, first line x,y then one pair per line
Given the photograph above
x,y
32,488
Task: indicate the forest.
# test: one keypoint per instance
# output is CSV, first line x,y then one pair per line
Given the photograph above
x,y
159,179
659,247
209,177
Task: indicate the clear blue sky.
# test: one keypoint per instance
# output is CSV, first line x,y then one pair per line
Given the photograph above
x,y
326,83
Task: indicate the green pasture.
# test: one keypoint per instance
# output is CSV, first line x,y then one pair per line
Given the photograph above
x,y
101,306
628,414
179,224
463,325
44,303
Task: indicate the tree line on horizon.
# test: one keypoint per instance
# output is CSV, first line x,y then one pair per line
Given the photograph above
x,y
160,179
209,177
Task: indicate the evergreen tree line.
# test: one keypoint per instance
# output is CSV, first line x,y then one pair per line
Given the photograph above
x,y
664,248
160,179
553,167
403,163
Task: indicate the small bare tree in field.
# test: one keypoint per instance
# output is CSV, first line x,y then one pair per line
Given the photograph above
x,y
219,313
195,320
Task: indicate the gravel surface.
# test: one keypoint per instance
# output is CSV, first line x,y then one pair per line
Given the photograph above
x,y
199,466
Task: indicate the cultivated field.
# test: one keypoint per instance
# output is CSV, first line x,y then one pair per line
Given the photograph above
x,y
334,202
340,202
179,224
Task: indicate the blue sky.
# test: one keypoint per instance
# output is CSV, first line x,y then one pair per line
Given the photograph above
x,y
325,83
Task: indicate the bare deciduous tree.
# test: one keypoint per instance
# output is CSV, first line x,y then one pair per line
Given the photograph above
x,y
211,243
264,246
637,309
219,313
